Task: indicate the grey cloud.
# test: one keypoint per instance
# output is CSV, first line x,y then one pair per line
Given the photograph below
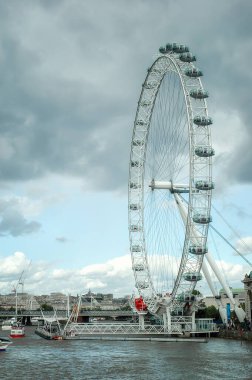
x,y
48,123
13,223
61,239
71,77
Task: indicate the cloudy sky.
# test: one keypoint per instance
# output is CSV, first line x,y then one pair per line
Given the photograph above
x,y
70,77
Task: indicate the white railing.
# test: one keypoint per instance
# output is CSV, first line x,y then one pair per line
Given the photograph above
x,y
76,329
204,324
178,327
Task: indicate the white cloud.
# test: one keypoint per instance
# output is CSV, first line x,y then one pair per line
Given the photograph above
x,y
244,245
114,276
95,284
225,127
13,265
60,274
95,269
38,276
232,273
115,267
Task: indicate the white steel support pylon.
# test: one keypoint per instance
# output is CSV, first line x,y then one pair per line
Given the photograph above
x,y
141,320
167,320
238,310
221,307
193,321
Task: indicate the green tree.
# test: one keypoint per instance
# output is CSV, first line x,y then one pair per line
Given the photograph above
x,y
126,308
212,312
196,292
208,312
46,307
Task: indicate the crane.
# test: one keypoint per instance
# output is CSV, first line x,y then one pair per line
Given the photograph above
x,y
15,289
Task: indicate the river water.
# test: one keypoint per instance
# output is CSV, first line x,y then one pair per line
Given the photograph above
x,y
35,358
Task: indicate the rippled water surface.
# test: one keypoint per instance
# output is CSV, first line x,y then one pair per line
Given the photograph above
x,y
35,358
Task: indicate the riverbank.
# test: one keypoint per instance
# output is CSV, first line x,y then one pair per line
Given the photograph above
x,y
133,338
235,334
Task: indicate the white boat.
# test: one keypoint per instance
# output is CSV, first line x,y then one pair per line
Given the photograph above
x,y
4,343
17,331
7,325
35,321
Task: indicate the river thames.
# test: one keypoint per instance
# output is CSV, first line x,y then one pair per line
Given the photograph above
x,y
35,358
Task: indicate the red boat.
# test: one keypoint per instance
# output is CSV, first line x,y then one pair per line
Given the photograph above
x,y
17,331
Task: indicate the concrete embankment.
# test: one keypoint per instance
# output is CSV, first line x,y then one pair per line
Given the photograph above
x,y
137,338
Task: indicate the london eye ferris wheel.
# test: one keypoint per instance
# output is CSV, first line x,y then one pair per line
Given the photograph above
x,y
170,181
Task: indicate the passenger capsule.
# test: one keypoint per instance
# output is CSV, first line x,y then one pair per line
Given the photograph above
x,y
135,164
193,73
174,47
134,206
134,185
138,142
142,285
180,297
150,86
187,57
202,218
138,267
145,103
198,249
135,228
168,48
179,48
202,120
204,185
189,298
185,297
141,122
157,71
192,276
199,94
136,248
204,151
162,50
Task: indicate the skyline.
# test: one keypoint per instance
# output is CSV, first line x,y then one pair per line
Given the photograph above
x,y
71,76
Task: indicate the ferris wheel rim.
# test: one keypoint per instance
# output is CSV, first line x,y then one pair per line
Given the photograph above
x,y
136,195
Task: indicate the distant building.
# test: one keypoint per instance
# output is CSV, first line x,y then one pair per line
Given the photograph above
x,y
238,294
24,301
60,301
248,295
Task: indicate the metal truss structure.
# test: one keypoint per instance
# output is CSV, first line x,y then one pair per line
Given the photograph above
x,y
179,326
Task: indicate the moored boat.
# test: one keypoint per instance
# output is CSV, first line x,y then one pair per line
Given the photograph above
x,y
43,333
7,325
17,331
50,329
4,343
